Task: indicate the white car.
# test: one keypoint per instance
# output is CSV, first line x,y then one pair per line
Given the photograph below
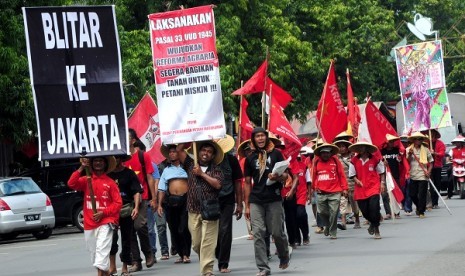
x,y
24,208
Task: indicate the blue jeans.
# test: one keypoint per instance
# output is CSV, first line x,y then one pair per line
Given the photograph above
x,y
153,220
407,202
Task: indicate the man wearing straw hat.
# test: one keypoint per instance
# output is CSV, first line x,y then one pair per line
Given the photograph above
x,y
347,204
421,161
102,204
230,194
329,182
438,151
263,203
204,180
368,172
173,187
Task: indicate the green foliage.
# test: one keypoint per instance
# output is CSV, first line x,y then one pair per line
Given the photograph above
x,y
300,36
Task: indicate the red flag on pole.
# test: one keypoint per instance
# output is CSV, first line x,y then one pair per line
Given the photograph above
x,y
353,112
256,83
282,97
280,126
144,120
245,124
331,116
378,126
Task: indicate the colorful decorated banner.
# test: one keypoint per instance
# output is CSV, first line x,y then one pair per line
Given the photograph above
x,y
187,75
420,68
75,69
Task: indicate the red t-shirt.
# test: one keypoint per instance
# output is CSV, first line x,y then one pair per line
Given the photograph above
x,y
299,169
368,175
107,198
458,153
328,176
136,166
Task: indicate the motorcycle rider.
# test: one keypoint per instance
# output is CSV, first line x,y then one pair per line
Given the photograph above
x,y
458,159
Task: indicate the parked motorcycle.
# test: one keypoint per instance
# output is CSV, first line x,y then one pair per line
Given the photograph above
x,y
458,171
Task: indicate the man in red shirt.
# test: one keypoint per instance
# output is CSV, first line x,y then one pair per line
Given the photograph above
x,y
98,225
141,164
368,172
329,182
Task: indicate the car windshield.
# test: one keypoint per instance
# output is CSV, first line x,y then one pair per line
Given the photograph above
x,y
18,186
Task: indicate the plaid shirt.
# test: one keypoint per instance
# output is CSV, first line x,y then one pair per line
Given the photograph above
x,y
199,187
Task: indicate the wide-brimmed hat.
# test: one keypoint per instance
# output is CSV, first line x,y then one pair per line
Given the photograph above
x,y
343,136
275,140
434,132
357,147
242,148
124,157
325,147
227,143
111,162
458,139
337,142
219,155
306,150
317,143
390,137
417,135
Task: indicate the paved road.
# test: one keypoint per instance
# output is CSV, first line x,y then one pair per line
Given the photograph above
x,y
431,246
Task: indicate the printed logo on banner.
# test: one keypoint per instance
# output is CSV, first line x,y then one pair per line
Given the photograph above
x,y
420,69
187,75
75,68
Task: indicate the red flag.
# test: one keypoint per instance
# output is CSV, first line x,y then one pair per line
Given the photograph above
x,y
245,124
279,125
353,112
256,83
378,126
331,116
144,120
282,97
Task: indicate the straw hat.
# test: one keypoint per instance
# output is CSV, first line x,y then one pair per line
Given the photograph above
x,y
357,147
165,150
306,150
417,135
434,132
124,157
325,147
390,137
111,162
227,143
458,139
275,140
219,155
242,148
343,136
317,143
337,142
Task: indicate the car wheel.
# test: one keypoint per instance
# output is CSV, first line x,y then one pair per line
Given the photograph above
x,y
44,234
78,218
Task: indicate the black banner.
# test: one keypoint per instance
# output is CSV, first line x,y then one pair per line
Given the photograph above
x,y
75,68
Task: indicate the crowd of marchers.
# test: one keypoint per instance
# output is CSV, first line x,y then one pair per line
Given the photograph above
x,y
199,186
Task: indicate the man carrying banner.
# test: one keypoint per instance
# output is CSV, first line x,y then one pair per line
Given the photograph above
x,y
205,180
368,172
141,164
99,222
420,160
263,203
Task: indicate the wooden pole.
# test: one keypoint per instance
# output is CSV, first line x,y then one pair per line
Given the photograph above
x,y
239,131
264,91
194,147
269,104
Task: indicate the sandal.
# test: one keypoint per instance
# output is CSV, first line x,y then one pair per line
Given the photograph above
x,y
165,257
284,263
178,261
225,270
306,242
263,273
125,273
186,260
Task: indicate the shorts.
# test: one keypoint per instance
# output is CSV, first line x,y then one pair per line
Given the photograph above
x,y
314,198
344,206
98,242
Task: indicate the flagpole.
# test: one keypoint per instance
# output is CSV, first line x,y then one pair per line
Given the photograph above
x,y
323,107
269,104
264,90
239,131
